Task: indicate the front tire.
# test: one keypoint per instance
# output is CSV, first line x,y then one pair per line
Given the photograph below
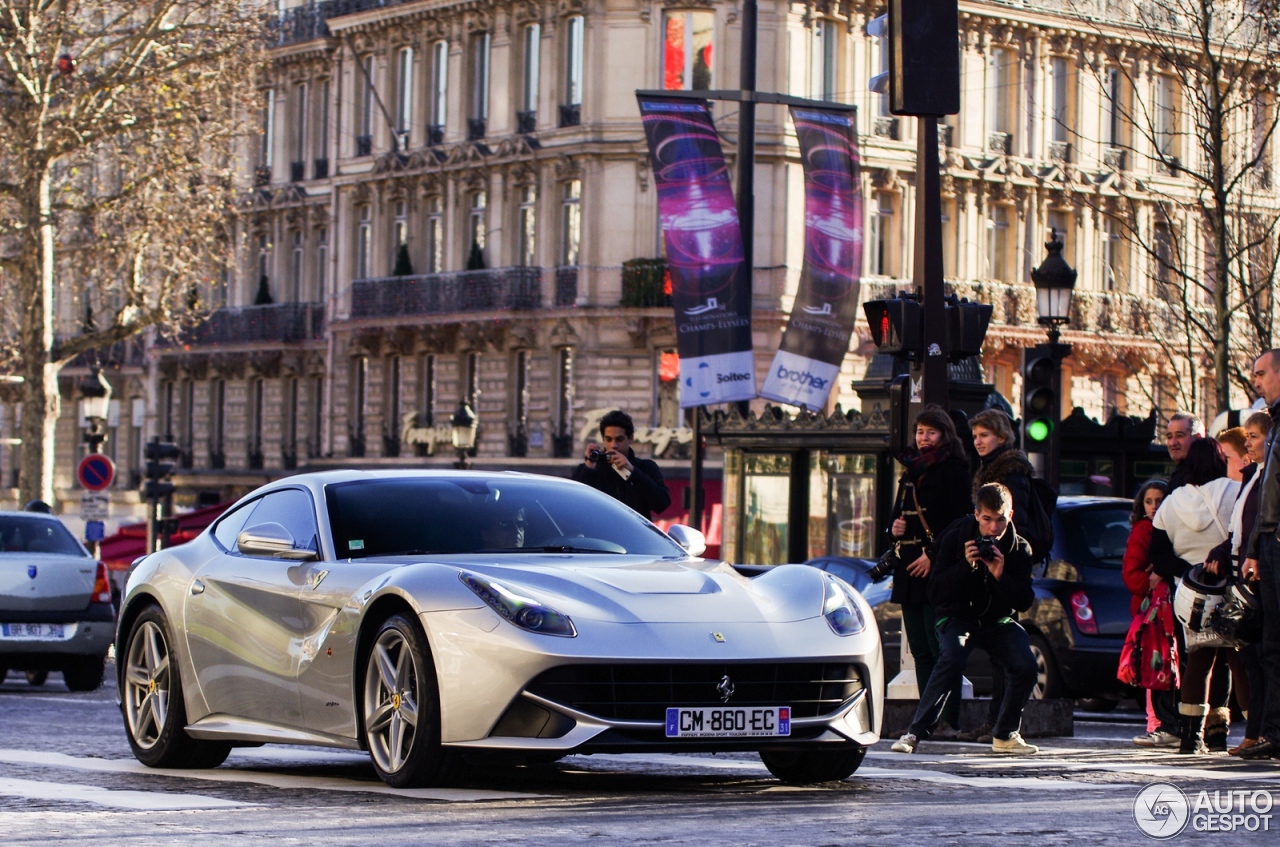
x,y
37,678
1048,680
401,708
155,716
805,767
84,674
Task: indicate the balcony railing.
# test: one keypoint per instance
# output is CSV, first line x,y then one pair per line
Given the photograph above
x,y
310,21
570,114
512,289
297,171
476,129
321,168
567,285
364,145
1060,151
1114,158
278,322
129,352
526,122
435,135
1000,142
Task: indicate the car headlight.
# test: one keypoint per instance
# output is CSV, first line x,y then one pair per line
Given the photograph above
x,y
840,608
524,612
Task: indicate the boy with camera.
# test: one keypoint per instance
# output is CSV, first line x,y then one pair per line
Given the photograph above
x,y
615,469
981,579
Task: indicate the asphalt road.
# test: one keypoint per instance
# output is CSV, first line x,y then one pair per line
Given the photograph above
x,y
67,777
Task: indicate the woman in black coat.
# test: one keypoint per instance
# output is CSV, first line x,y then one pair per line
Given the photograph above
x,y
933,492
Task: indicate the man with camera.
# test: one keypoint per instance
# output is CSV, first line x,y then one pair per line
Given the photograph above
x,y
981,579
617,471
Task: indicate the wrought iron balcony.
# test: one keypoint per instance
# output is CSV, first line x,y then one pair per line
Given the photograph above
x,y
526,122
435,135
286,323
262,175
297,171
570,114
364,145
502,289
567,285
321,168
310,21
129,352
476,129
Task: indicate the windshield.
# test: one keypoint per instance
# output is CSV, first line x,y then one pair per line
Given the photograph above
x,y
415,515
21,534
1101,535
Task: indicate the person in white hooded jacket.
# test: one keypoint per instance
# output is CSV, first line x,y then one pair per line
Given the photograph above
x,y
1192,520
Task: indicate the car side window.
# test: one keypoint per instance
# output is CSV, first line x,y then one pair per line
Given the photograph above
x,y
230,524
292,509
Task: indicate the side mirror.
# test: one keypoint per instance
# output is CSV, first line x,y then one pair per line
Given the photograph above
x,y
273,540
694,542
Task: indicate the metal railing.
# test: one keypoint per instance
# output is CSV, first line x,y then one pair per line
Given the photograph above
x,y
500,289
310,21
278,322
566,285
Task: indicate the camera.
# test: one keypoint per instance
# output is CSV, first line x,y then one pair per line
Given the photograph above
x,y
886,566
598,455
987,548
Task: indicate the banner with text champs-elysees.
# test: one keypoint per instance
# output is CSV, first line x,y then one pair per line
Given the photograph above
x,y
826,306
710,288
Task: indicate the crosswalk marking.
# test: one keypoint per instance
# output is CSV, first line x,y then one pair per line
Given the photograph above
x,y
234,775
139,801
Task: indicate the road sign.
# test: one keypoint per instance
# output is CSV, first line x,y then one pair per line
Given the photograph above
x,y
94,506
94,531
96,472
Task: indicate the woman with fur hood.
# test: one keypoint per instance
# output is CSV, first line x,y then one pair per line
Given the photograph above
x,y
1192,520
1002,462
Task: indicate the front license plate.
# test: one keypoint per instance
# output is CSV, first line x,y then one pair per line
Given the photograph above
x,y
729,722
42,631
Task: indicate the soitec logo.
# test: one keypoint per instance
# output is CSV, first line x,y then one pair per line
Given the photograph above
x,y
1161,810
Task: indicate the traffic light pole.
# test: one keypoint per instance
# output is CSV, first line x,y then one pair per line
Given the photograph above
x,y
927,270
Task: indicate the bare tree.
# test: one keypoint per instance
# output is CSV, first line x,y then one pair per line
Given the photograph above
x,y
118,126
1190,86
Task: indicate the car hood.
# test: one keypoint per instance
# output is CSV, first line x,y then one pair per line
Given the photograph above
x,y
641,589
35,582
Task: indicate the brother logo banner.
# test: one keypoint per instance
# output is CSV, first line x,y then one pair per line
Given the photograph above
x,y
826,304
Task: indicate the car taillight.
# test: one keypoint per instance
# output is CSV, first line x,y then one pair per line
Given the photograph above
x,y
1083,613
101,585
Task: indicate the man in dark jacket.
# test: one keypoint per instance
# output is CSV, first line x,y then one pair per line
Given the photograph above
x,y
981,579
617,471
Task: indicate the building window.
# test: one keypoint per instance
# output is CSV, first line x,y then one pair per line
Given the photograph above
x,y
368,102
1113,255
257,412
322,263
573,58
471,381
391,407
476,220
435,234
404,97
532,56
1000,91
439,88
878,239
563,442
399,231
1060,222
315,403
300,127
187,440
949,237
570,222
322,132
1114,106
520,386
289,435
1162,272
1062,84
1166,117
878,28
355,416
528,226
295,269
998,239
218,423
427,395
686,50
168,410
822,61
268,130
666,406
264,260
480,76
364,241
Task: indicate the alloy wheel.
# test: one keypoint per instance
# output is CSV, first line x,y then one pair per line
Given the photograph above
x,y
147,685
391,701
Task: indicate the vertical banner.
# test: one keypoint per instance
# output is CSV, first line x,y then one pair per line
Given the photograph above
x,y
710,286
826,306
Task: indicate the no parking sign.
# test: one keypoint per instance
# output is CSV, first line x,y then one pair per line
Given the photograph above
x,y
96,472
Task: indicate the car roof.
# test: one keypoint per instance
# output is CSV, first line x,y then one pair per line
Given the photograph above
x,y
1071,501
18,513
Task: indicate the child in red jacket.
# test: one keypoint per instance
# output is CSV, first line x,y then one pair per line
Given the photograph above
x,y
1140,579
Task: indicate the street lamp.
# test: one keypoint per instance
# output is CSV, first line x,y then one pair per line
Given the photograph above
x,y
1054,281
95,404
463,434
1042,365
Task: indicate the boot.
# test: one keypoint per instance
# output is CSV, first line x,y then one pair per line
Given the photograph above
x,y
1191,728
1217,728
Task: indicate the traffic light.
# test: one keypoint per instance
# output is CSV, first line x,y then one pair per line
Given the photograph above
x,y
924,57
161,462
896,326
1041,397
966,327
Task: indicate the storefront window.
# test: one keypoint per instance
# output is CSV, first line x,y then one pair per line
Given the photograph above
x,y
851,487
765,507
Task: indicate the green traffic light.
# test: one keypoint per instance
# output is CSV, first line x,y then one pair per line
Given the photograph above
x,y
1038,430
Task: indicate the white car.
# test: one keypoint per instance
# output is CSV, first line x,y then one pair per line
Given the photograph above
x,y
55,603
425,616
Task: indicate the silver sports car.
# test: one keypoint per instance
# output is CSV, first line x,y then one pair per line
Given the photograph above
x,y
427,616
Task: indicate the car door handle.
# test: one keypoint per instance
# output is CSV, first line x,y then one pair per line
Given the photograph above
x,y
197,587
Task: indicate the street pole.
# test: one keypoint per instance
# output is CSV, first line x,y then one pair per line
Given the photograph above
x,y
927,270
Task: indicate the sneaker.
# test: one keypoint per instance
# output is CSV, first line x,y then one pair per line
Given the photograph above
x,y
1157,738
906,744
976,735
1013,744
943,732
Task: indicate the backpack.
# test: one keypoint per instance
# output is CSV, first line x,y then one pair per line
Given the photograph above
x,y
1039,529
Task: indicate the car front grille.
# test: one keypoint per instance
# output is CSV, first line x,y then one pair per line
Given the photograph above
x,y
643,692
